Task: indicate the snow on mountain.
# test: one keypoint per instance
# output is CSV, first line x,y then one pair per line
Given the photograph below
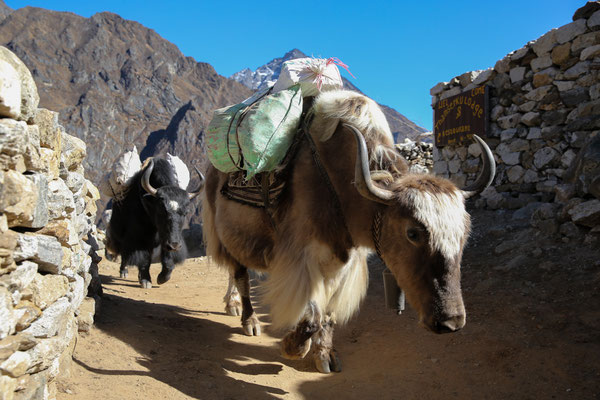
x,y
267,74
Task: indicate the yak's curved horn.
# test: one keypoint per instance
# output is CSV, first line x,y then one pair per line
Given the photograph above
x,y
362,174
146,179
488,171
192,195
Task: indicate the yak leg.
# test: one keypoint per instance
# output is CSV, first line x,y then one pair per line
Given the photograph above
x,y
296,344
233,302
250,321
144,270
123,269
324,355
168,259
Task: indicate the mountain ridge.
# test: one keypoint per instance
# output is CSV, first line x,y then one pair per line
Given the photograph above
x,y
116,83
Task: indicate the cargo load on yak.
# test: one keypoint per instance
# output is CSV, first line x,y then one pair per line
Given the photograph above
x,y
254,136
116,182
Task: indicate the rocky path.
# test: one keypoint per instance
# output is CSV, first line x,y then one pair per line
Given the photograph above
x,y
533,332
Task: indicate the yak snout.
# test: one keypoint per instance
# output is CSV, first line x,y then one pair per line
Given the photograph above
x,y
173,246
449,325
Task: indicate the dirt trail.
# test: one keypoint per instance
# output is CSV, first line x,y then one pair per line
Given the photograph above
x,y
533,332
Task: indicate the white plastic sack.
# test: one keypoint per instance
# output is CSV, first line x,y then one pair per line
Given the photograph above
x,y
182,174
313,74
115,182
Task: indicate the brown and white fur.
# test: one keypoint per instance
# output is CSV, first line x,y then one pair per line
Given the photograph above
x,y
317,273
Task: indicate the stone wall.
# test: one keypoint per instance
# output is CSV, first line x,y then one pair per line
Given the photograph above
x,y
544,124
419,154
47,262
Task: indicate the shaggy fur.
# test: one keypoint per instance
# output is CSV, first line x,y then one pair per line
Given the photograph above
x,y
316,259
440,207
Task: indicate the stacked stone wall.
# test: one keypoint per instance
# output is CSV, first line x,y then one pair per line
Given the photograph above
x,y
544,124
47,259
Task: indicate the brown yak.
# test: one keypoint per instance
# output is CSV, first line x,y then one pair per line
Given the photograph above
x,y
348,193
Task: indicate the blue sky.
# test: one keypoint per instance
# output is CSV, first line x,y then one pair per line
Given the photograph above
x,y
397,50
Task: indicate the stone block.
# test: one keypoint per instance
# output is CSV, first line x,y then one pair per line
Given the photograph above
x,y
567,158
545,43
61,203
509,121
47,289
44,250
590,52
437,89
502,66
568,32
564,193
594,20
483,76
26,312
545,157
561,53
540,93
16,365
50,129
85,317
531,119
577,70
574,97
7,317
528,106
508,134
584,41
73,152
10,91
21,200
21,277
540,63
586,213
515,174
49,350
29,94
449,93
7,387
52,319
563,86
517,74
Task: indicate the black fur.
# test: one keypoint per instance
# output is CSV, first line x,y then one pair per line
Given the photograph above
x,y
142,222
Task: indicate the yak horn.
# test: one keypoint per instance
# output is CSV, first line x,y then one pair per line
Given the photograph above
x,y
200,185
146,179
488,171
362,174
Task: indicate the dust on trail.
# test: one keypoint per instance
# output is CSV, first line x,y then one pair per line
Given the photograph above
x,y
531,333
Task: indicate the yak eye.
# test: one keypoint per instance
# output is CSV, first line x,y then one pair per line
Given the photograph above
x,y
413,234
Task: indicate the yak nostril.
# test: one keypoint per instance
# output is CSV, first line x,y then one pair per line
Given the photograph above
x,y
175,246
451,324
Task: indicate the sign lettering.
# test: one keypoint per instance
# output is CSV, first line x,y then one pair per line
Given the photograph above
x,y
459,117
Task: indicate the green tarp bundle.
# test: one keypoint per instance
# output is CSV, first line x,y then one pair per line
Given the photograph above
x,y
254,137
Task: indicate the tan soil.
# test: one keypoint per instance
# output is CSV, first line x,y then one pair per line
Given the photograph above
x,y
533,332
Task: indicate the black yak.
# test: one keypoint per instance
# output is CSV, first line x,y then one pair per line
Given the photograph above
x,y
151,214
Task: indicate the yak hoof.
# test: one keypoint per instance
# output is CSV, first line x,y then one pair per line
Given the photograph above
x,y
251,326
233,304
234,310
293,351
330,364
146,284
163,277
123,274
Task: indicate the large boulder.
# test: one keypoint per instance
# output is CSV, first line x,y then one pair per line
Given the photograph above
x,y
21,84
